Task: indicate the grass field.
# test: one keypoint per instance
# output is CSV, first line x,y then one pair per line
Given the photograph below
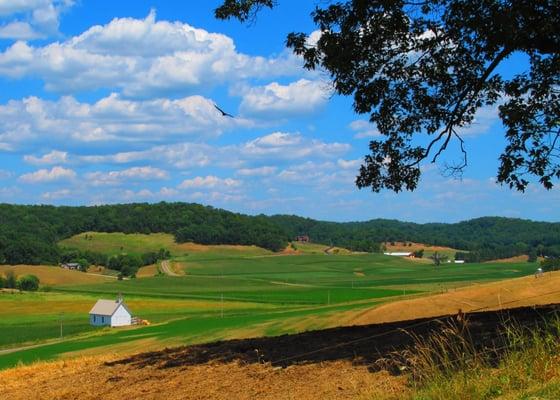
x,y
51,275
117,243
226,292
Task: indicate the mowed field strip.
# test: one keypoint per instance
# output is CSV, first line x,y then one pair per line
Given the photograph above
x,y
224,292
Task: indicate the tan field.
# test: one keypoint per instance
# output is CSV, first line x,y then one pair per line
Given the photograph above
x,y
490,296
92,379
147,271
51,275
412,246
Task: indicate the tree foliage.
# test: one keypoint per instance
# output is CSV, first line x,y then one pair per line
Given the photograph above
x,y
29,234
28,283
422,69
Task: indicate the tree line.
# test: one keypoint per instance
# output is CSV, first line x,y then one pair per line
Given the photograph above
x,y
29,234
27,283
126,264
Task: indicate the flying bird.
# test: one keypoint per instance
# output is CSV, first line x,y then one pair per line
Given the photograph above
x,y
224,114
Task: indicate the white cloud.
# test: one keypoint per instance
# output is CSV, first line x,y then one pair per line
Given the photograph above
x,y
46,175
364,129
274,147
124,176
349,164
54,157
18,30
276,100
109,119
283,145
260,171
209,181
57,194
483,121
33,18
141,57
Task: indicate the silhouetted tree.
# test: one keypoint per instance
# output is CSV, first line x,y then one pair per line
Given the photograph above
x,y
422,69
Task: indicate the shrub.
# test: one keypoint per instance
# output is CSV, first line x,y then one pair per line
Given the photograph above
x,y
29,283
11,281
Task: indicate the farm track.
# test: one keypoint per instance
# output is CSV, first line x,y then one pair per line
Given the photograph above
x,y
167,269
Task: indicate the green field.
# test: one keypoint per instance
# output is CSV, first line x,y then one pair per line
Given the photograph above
x,y
227,292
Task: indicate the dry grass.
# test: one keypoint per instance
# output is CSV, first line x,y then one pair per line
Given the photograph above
x,y
89,378
491,296
50,275
404,246
147,271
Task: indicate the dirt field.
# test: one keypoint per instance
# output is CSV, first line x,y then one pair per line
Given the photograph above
x,y
340,363
94,380
50,275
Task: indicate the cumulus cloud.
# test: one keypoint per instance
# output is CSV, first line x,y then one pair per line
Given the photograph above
x,y
209,181
31,19
284,145
349,164
141,57
110,119
54,157
131,174
364,129
276,100
48,175
274,147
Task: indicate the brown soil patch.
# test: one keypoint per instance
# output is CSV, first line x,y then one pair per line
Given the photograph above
x,y
90,378
51,275
492,296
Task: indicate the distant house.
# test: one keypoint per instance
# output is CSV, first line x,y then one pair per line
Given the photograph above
x,y
399,254
459,261
70,266
110,313
302,238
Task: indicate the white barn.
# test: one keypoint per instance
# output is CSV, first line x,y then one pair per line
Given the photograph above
x,y
399,254
111,313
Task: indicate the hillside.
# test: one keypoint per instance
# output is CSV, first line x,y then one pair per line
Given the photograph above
x,y
340,363
29,234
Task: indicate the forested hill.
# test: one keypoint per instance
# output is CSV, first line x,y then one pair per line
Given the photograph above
x,y
29,234
486,238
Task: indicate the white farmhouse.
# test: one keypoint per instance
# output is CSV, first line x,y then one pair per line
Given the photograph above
x,y
110,312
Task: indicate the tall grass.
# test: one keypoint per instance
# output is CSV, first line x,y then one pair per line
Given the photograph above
x,y
524,363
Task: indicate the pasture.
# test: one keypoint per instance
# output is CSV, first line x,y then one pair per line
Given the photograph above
x,y
226,292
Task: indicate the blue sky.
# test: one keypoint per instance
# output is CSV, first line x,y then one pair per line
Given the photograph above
x,y
111,102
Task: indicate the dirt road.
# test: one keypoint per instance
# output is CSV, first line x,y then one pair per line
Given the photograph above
x,y
167,269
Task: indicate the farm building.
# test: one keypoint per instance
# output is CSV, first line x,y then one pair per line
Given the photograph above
x,y
111,313
399,254
302,239
71,266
